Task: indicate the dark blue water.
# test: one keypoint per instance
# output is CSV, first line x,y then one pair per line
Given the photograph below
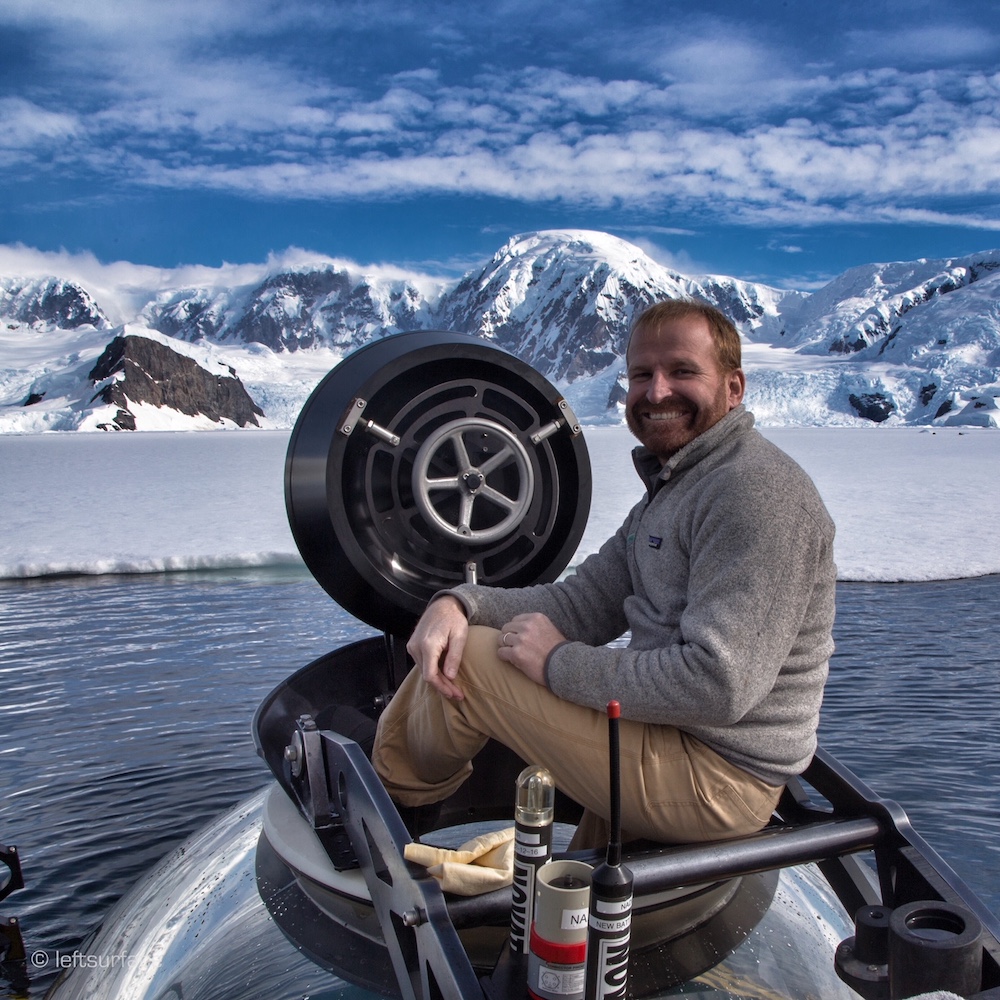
x,y
125,706
913,706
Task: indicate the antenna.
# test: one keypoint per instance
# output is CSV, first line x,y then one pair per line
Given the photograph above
x,y
614,763
610,925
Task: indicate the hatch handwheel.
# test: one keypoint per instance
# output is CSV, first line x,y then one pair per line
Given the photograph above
x,y
467,461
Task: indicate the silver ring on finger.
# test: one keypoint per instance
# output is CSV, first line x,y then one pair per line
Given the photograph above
x,y
503,639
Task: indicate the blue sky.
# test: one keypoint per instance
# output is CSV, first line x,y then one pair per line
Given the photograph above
x,y
775,140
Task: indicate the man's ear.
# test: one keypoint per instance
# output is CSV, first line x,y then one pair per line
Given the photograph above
x,y
736,384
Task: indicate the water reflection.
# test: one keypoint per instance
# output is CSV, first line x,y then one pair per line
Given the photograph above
x,y
125,706
911,706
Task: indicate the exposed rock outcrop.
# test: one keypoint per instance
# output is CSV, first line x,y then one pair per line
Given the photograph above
x,y
873,406
139,370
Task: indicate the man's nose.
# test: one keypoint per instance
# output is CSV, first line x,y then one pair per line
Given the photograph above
x,y
660,388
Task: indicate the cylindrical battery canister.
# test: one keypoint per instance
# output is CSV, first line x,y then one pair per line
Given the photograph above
x,y
609,934
534,808
557,961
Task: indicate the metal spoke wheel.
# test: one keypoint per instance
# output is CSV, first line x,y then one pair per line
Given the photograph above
x,y
430,459
471,452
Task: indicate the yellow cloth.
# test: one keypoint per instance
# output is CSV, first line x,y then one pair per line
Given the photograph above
x,y
479,865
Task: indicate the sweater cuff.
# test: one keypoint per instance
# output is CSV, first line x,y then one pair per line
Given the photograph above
x,y
460,597
548,659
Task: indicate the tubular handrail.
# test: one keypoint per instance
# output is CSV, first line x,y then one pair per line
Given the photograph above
x,y
674,867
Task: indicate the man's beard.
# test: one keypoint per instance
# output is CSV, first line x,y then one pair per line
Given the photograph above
x,y
664,438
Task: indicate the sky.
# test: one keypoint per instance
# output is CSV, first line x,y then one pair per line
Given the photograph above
x,y
764,139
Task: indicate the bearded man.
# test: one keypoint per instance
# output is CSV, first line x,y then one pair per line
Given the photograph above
x,y
723,576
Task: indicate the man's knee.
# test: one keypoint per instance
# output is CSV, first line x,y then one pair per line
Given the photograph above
x,y
479,658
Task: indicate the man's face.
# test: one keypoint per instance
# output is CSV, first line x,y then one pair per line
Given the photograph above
x,y
676,390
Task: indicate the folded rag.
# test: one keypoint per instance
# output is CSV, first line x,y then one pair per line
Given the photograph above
x,y
486,862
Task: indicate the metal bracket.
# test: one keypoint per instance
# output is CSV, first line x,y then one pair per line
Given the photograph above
x,y
14,879
11,941
304,756
353,414
567,420
427,955
346,803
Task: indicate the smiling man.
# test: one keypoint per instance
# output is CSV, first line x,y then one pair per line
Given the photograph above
x,y
723,577
684,376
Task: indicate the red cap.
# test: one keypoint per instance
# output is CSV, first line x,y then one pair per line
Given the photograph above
x,y
614,710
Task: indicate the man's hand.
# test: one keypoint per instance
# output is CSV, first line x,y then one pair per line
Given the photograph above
x,y
437,644
526,641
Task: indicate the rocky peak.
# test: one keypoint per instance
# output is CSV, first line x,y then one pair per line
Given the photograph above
x,y
189,314
51,302
139,370
561,300
306,307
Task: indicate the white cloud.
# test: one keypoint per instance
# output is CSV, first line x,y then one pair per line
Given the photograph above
x,y
680,261
799,172
123,288
199,94
145,24
719,59
365,121
120,286
25,125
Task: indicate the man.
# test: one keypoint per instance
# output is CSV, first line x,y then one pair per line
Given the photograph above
x,y
724,576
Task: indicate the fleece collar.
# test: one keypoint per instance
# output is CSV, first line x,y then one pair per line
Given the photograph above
x,y
738,420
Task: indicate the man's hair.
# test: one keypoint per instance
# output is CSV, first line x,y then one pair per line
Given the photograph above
x,y
728,351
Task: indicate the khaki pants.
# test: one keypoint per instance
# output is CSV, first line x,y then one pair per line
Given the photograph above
x,y
674,788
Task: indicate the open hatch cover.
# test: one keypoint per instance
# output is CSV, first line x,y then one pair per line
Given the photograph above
x,y
430,459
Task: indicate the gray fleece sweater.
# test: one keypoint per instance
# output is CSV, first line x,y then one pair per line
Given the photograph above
x,y
724,575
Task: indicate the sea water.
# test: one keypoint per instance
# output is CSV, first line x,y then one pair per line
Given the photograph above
x,y
125,708
126,700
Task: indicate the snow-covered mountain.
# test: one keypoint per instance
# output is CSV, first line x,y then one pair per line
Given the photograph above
x,y
565,301
323,305
915,342
540,286
49,302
